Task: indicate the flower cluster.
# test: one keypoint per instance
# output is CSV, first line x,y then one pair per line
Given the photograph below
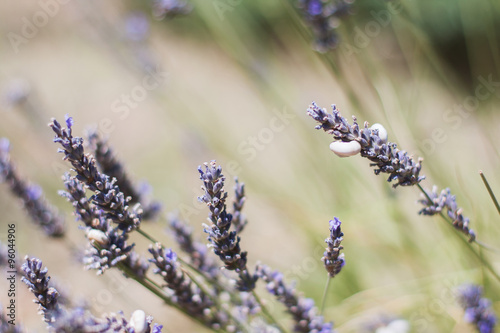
x,y
385,155
321,16
333,260
107,195
302,309
446,201
109,165
37,281
226,243
478,310
41,213
108,245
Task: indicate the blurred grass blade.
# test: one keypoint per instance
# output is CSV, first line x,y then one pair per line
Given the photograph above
x,y
490,191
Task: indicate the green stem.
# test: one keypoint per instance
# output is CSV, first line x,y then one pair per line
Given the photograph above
x,y
324,295
490,191
266,312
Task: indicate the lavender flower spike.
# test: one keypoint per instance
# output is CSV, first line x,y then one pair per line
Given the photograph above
x,y
107,195
446,201
302,309
185,294
239,220
41,213
385,155
226,243
478,310
332,259
110,166
38,283
107,245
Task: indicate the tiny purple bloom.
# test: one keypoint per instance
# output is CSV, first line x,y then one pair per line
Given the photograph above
x,y
137,26
315,8
171,256
34,192
69,120
157,328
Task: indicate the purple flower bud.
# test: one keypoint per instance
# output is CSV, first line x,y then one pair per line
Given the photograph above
x,y
69,120
332,258
315,8
136,26
34,192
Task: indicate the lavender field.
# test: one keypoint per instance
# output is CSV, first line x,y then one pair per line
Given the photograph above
x,y
194,166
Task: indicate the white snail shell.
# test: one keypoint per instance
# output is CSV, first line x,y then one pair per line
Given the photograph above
x,y
345,149
97,236
138,321
382,132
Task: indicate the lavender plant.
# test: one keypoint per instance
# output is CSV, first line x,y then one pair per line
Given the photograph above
x,y
107,195
37,280
371,142
107,244
332,258
436,203
225,243
351,139
115,207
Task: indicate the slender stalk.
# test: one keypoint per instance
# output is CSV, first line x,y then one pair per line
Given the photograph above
x,y
490,191
266,312
323,300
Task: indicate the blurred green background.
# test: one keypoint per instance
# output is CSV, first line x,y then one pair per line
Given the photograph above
x,y
234,85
